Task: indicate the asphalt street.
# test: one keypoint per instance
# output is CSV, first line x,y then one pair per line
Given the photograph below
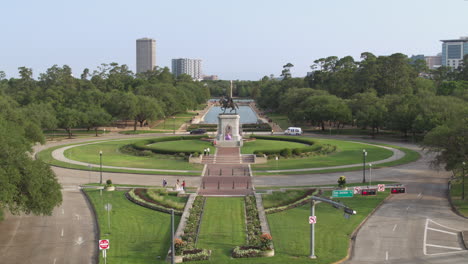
x,y
417,227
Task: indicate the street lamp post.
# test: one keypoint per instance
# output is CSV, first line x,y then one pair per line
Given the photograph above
x,y
463,180
173,122
364,154
312,231
370,173
100,162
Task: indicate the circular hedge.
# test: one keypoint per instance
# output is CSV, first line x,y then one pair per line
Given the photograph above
x,y
143,145
286,152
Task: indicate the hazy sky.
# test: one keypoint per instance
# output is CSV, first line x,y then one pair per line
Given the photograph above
x,y
236,39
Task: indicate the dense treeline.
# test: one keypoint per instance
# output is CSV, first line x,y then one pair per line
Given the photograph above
x,y
56,99
385,92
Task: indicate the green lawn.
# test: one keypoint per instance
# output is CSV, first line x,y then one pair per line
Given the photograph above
x,y
184,145
456,194
222,227
348,153
282,198
137,234
280,119
291,230
113,157
46,156
261,144
170,123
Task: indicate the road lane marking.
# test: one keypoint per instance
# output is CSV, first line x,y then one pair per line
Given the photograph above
x,y
63,211
438,246
419,195
386,255
444,226
425,237
55,260
394,227
443,231
79,241
407,208
62,233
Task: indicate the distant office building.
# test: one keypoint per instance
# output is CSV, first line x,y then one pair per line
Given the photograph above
x,y
433,62
191,67
210,77
145,54
453,51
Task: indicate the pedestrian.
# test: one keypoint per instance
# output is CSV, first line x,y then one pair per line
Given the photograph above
x,y
164,183
208,149
183,185
204,152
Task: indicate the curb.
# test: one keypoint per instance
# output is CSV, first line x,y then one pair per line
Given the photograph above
x,y
354,234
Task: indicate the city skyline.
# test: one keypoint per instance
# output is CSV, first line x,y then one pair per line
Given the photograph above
x,y
239,40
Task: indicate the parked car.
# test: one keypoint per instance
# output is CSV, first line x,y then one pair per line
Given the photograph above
x,y
293,131
198,131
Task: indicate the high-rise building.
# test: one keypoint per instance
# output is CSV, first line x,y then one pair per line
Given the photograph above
x,y
191,67
145,54
453,51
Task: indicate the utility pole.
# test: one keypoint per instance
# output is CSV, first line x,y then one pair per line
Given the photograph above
x,y
172,238
312,231
364,154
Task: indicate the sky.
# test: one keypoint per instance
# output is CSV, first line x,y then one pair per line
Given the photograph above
x,y
236,39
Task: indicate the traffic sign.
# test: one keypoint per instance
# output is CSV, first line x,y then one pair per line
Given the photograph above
x,y
381,187
357,190
104,244
342,193
312,219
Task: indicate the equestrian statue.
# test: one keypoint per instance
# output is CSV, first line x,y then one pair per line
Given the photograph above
x,y
227,102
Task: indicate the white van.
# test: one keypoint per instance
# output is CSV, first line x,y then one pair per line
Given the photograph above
x,y
293,131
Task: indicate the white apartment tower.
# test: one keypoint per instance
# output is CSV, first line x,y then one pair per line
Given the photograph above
x,y
191,67
145,54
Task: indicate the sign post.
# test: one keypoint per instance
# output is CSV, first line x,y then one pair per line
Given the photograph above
x,y
104,246
312,221
381,187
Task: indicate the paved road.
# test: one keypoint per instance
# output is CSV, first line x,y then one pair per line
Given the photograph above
x,y
409,228
68,236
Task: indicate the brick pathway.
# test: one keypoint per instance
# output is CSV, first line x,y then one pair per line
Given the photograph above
x,y
227,173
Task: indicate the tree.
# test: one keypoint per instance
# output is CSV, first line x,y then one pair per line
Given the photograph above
x,y
147,110
69,118
449,141
368,110
286,73
95,117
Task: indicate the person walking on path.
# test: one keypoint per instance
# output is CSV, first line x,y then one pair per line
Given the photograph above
x,y
164,183
183,185
208,149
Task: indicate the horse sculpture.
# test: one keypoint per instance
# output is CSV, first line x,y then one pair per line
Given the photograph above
x,y
227,102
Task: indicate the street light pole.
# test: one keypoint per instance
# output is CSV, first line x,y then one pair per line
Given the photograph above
x,y
463,180
173,123
370,174
364,154
100,162
172,238
312,231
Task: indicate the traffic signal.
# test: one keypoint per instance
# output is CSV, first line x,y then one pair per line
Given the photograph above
x,y
366,192
398,190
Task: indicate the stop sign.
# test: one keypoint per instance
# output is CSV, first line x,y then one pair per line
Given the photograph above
x,y
104,244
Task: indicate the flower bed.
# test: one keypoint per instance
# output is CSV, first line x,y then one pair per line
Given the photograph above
x,y
301,201
313,147
185,246
143,145
257,243
137,196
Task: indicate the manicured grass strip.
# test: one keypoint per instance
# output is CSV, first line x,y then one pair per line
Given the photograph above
x,y
46,156
318,186
347,153
137,234
281,120
131,132
222,227
171,123
410,156
250,146
291,230
184,145
456,195
282,198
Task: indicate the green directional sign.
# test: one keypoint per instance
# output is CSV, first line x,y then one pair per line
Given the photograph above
x,y
342,193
